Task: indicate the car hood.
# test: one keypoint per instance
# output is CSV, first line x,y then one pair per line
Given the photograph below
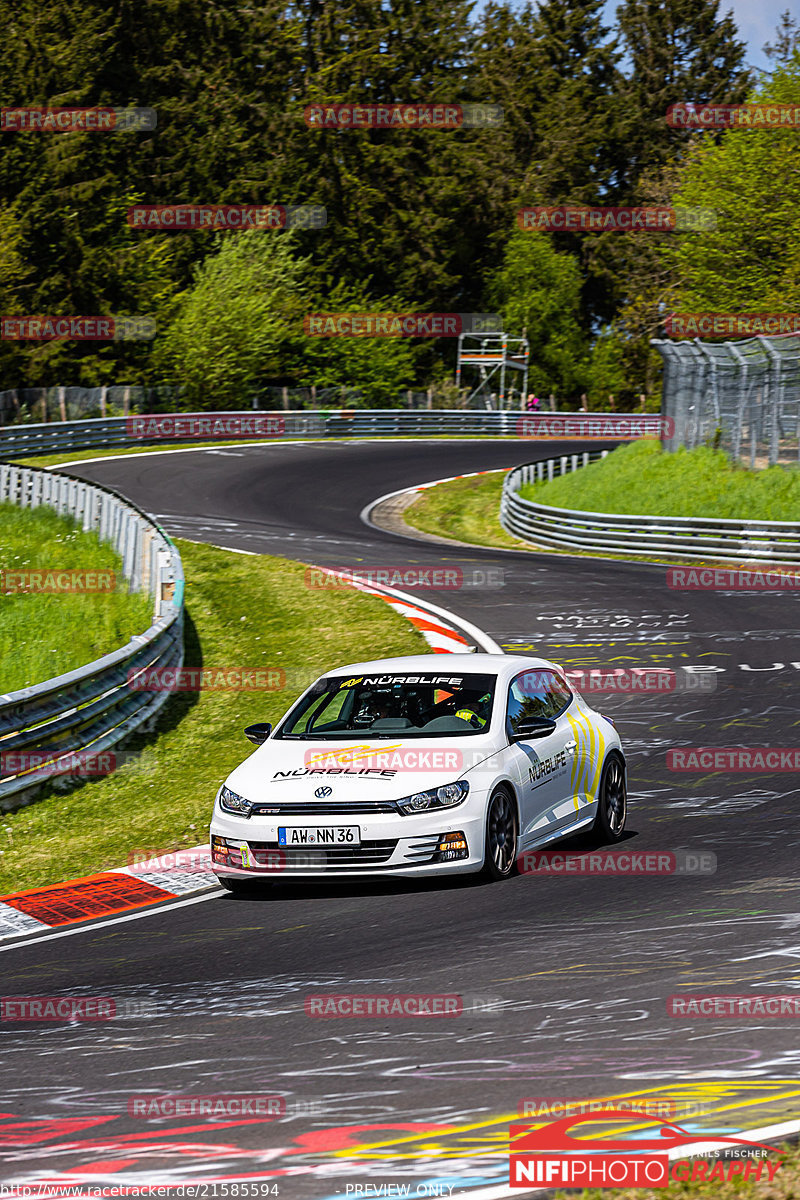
x,y
361,770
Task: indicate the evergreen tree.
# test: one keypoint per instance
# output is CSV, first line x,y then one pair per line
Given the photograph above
x,y
578,155
214,73
682,51
787,40
405,207
560,86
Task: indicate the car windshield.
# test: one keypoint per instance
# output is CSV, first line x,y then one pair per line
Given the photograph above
x,y
390,705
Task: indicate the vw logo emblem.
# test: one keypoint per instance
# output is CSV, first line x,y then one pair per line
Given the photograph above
x,y
323,793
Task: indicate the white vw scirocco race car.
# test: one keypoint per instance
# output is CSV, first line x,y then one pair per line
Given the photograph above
x,y
420,766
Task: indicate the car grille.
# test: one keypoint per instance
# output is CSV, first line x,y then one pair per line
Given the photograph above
x,y
331,858
423,850
326,808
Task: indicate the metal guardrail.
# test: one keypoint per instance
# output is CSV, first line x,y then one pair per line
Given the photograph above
x,y
19,441
93,708
717,539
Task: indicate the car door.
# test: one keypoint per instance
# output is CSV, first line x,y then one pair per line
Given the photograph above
x,y
542,766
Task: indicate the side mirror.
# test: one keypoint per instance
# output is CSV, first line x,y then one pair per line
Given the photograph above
x,y
530,728
258,734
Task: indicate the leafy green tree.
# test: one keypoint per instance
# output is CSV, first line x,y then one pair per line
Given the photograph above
x,y
13,270
554,69
233,323
537,289
379,367
577,115
240,328
751,261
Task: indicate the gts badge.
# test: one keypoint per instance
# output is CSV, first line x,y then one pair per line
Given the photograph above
x,y
546,766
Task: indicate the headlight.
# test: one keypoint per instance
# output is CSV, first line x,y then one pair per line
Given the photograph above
x,y
232,802
442,797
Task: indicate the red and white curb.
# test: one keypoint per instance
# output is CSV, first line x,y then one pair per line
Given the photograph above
x,y
444,632
166,876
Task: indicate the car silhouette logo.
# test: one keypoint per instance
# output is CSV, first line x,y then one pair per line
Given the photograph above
x,y
323,793
555,1137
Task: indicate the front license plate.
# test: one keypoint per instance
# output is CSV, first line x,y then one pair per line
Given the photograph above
x,y
320,835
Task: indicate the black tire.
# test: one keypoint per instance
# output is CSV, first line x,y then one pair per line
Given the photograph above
x,y
502,835
612,808
241,887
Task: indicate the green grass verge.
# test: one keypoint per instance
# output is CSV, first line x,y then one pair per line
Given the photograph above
x,y
242,612
784,1186
466,509
642,478
45,634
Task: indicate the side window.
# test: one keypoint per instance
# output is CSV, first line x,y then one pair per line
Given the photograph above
x,y
559,695
528,697
536,694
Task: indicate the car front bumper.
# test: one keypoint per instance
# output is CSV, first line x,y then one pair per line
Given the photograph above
x,y
390,845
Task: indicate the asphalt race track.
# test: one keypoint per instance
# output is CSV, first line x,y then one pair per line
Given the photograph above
x,y
565,979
